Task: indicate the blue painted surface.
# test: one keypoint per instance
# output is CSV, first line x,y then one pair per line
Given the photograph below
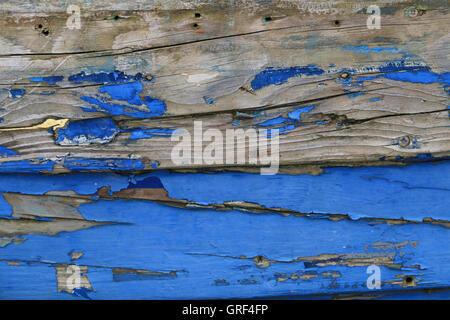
x,y
356,94
105,77
157,108
211,251
367,49
145,133
17,93
48,80
398,70
102,164
289,123
206,247
122,87
296,114
383,192
125,92
5,152
160,238
97,130
26,166
276,76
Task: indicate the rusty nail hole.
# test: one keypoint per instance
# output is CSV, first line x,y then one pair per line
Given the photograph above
x,y
409,279
336,22
259,259
404,141
197,15
413,12
344,75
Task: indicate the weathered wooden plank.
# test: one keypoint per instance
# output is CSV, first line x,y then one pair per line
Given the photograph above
x,y
240,257
364,122
393,194
239,75
125,229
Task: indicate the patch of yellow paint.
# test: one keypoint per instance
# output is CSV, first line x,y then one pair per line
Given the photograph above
x,y
49,123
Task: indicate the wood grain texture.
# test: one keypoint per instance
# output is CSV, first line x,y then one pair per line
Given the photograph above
x,y
229,75
89,187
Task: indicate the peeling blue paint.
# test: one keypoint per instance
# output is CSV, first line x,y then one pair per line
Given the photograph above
x,y
424,76
296,114
157,107
290,122
355,94
144,133
105,77
17,93
97,130
423,157
209,100
151,182
271,75
82,292
155,164
5,152
74,163
125,92
366,49
383,192
48,80
26,166
274,121
204,254
120,87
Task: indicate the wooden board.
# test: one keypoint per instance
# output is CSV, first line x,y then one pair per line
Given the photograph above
x,y
89,105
